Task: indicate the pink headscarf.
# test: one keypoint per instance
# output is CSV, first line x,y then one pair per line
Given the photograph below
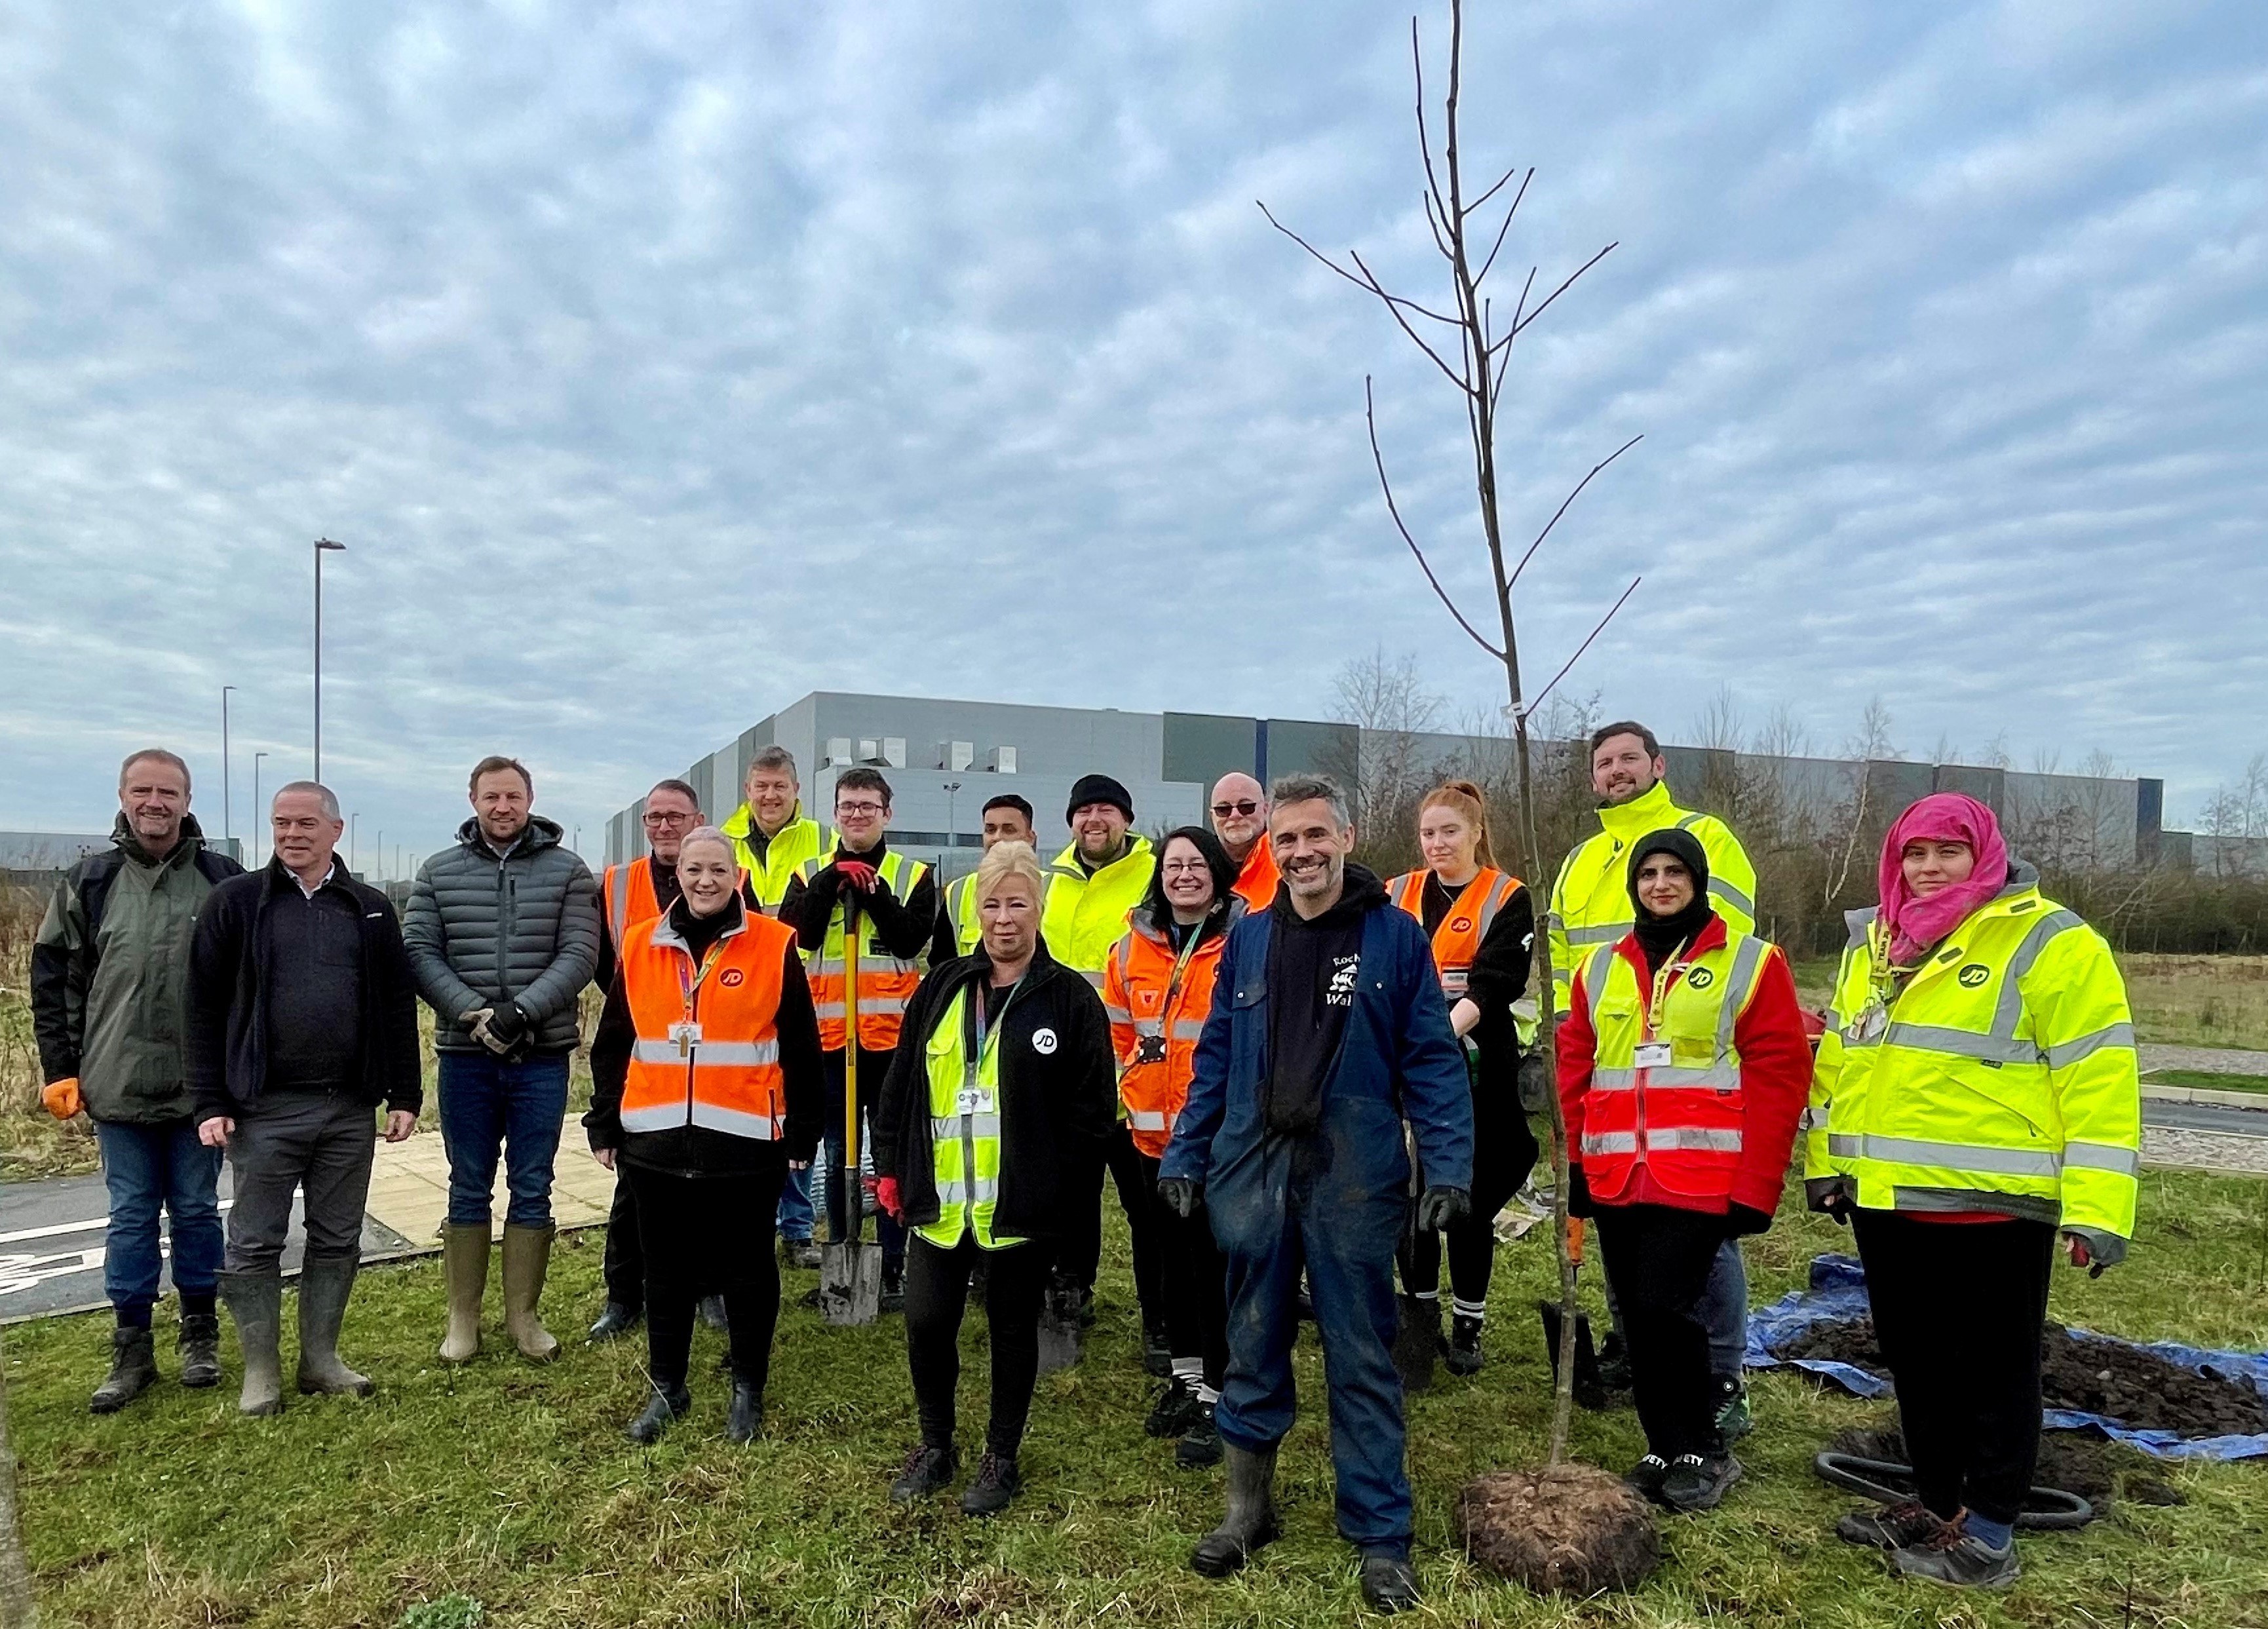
x,y
1915,926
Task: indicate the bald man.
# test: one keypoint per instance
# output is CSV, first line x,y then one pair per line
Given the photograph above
x,y
1240,819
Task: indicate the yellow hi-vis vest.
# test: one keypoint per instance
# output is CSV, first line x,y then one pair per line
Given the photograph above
x,y
961,910
964,1125
797,841
2003,1077
1087,914
1590,903
886,983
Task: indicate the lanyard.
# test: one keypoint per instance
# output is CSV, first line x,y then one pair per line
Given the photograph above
x,y
690,987
977,1033
1664,977
1181,966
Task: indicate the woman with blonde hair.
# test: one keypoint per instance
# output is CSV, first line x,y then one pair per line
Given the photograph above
x,y
1482,926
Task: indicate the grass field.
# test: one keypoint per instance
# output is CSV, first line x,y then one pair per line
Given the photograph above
x,y
511,1486
2206,1078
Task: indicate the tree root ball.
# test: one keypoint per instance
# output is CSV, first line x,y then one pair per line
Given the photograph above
x,y
1572,1530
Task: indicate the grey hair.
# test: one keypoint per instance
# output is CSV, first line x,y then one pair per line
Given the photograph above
x,y
330,799
773,758
1311,789
706,834
162,756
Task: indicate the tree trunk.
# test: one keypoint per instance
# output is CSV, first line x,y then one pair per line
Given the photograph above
x,y
17,1610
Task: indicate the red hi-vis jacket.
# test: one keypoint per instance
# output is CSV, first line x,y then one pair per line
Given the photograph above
x,y
1457,941
1154,1023
707,1051
1684,1088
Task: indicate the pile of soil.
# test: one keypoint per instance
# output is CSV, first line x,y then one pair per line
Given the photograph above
x,y
1571,1530
2137,1389
2096,1469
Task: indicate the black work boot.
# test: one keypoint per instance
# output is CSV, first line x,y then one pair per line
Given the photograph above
x,y
133,1370
1251,1519
1698,1482
1463,1355
1953,1555
744,1415
893,1298
666,1405
616,1318
199,1345
1389,1583
994,1485
927,1470
1157,1349
1174,1411
1199,1449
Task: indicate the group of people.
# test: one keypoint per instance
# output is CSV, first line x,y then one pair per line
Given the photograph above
x,y
1303,1082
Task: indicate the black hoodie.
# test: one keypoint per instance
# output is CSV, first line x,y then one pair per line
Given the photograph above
x,y
1313,966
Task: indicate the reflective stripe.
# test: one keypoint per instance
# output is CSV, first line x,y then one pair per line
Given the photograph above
x,y
1706,1139
1739,984
1189,1028
734,1121
870,965
716,1054
1962,1042
618,902
1596,973
1605,933
2069,1052
869,1006
1149,1119
1604,1080
2103,1157
1952,1156
949,1127
1455,981
654,1117
1610,1142
1118,1015
986,1191
1094,979
1733,897
2009,1012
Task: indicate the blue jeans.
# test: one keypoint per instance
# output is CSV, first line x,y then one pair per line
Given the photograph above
x,y
489,1105
148,1169
796,1215
1725,1309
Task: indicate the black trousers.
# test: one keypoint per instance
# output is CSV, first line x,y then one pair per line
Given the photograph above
x,y
1193,1283
625,1260
937,1293
1138,1197
1958,1309
872,1067
1658,1259
1504,1152
705,1235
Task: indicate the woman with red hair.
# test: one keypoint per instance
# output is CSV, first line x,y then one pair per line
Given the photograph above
x,y
1975,1095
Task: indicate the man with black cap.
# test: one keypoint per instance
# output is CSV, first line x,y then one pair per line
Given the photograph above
x,y
1092,888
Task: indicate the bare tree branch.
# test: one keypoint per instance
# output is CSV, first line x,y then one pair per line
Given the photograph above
x,y
1570,498
1585,645
1557,293
1507,227
1402,322
1367,282
1434,223
1370,417
1474,206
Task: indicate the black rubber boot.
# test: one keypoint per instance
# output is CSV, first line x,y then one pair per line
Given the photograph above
x,y
1389,1583
132,1371
661,1408
326,1286
1251,1519
616,1318
199,1345
744,1415
255,1303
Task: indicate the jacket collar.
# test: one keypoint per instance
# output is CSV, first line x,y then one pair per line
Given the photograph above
x,y
280,877
184,849
1650,811
1711,937
539,833
1140,923
1067,863
665,931
741,823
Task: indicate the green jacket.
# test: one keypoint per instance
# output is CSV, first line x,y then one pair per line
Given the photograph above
x,y
110,969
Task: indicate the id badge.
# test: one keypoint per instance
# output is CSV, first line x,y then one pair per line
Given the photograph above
x,y
972,1100
1873,1022
1150,1050
1653,1054
684,1037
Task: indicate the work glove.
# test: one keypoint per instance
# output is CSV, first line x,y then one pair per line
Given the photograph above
x,y
1183,1196
1744,1221
61,1098
1830,1196
1536,1084
2093,1250
1579,1192
887,1195
1440,1209
508,1026
857,873
476,1020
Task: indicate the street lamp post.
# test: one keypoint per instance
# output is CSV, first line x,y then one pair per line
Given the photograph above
x,y
952,825
323,545
227,827
256,757
354,829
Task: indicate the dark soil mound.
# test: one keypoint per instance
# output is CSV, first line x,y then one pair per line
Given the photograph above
x,y
1574,1530
2136,1387
2096,1469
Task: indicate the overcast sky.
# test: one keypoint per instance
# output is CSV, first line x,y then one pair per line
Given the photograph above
x,y
661,363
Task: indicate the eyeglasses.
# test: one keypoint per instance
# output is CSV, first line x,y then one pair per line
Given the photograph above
x,y
1242,806
860,809
667,820
1184,868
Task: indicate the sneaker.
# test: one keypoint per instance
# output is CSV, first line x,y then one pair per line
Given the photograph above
x,y
1953,1556
1695,1484
1389,1584
1199,1449
1462,1354
801,1254
995,1484
1900,1527
894,1287
1648,1475
1174,1411
927,1470
1734,1418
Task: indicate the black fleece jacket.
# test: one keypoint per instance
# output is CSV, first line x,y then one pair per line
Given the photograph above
x,y
903,929
1058,1095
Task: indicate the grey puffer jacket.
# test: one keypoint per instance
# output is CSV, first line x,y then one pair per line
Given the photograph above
x,y
483,929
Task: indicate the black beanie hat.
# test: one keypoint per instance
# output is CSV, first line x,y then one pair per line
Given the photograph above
x,y
1670,840
1097,789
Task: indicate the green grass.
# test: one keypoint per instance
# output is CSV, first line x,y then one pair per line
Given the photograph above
x,y
2206,1078
513,1488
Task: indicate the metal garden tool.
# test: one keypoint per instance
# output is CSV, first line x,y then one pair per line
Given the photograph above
x,y
850,1269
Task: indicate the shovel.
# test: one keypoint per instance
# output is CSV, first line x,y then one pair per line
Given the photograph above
x,y
1590,1387
850,1269
1060,1341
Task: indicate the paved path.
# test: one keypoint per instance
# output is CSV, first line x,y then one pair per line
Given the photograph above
x,y
51,1233
2204,1059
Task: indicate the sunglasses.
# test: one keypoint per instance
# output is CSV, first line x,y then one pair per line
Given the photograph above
x,y
1243,805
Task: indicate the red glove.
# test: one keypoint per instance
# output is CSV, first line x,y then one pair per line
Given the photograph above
x,y
857,873
886,1195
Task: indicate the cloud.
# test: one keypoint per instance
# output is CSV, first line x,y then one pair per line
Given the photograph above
x,y
661,363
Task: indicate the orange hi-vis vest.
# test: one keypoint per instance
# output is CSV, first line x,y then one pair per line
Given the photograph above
x,y
1255,884
628,890
707,1051
886,983
1665,1092
1155,1021
1457,941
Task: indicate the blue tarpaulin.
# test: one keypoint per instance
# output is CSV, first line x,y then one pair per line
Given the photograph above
x,y
1838,1295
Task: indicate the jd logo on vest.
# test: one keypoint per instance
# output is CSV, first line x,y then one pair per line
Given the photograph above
x,y
731,976
1044,1043
1462,925
1974,974
1700,979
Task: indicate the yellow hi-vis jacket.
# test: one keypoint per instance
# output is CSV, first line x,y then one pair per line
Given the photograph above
x,y
2001,1078
1086,915
770,871
961,910
964,1110
1590,901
